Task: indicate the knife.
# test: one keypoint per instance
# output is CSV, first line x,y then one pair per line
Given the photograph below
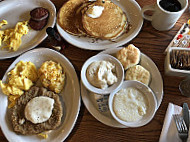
x,y
186,114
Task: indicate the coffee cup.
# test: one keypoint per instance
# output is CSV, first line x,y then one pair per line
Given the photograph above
x,y
163,19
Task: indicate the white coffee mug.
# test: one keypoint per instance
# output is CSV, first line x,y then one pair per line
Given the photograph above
x,y
162,19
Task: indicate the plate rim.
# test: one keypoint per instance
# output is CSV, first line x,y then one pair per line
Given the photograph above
x,y
92,113
4,3
69,37
83,89
77,94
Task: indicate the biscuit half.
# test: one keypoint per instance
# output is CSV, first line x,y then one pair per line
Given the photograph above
x,y
138,73
129,56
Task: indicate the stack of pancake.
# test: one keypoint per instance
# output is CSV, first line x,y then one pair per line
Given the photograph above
x,y
74,18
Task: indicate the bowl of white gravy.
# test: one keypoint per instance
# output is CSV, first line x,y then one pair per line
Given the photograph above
x,y
102,74
133,104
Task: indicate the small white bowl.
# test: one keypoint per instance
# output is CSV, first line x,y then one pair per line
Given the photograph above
x,y
119,73
151,100
172,71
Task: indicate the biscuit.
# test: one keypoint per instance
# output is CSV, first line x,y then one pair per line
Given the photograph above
x,y
138,73
128,56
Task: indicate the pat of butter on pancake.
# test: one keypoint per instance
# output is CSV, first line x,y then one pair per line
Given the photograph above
x,y
39,109
95,11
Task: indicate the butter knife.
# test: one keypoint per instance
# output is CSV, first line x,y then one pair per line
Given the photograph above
x,y
186,114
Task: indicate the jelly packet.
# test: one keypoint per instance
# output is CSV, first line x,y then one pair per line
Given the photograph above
x,y
102,102
182,38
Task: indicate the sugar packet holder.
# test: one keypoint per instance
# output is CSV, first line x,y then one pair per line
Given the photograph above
x,y
182,38
177,62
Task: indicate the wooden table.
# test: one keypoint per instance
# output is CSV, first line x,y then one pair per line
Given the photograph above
x,y
152,43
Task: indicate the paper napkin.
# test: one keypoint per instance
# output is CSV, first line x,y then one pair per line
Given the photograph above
x,y
169,131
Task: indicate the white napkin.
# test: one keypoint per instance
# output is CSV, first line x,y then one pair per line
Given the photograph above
x,y
169,131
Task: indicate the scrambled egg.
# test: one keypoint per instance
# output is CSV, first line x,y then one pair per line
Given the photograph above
x,y
3,22
20,79
52,76
12,37
25,69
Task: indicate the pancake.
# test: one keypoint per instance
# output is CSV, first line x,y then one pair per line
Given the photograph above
x,y
123,31
66,16
138,73
78,20
109,25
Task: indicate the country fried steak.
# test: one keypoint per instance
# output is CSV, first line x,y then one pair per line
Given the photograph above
x,y
22,126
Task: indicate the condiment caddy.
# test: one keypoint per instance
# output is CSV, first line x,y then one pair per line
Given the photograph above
x,y
182,38
177,60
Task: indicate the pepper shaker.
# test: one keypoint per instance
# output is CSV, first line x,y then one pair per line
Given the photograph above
x,y
55,39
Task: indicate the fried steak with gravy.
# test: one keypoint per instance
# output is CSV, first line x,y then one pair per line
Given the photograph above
x,y
22,126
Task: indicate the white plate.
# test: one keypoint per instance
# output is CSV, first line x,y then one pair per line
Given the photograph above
x,y
70,96
19,10
132,10
156,85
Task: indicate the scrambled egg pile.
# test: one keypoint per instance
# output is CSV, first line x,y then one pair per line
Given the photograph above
x,y
12,37
52,76
20,79
25,74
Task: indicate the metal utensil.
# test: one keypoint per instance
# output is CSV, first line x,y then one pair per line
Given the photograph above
x,y
186,114
181,127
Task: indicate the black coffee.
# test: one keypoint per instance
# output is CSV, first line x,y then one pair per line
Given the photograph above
x,y
170,5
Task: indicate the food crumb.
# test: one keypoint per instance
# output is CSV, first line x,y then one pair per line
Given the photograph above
x,y
21,121
43,135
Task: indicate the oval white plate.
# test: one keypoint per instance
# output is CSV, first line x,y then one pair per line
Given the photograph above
x,y
70,96
132,10
19,10
156,85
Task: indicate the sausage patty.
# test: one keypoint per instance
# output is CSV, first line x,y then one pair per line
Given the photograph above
x,y
37,25
39,13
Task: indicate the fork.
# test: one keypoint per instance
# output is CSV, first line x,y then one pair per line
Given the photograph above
x,y
181,127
